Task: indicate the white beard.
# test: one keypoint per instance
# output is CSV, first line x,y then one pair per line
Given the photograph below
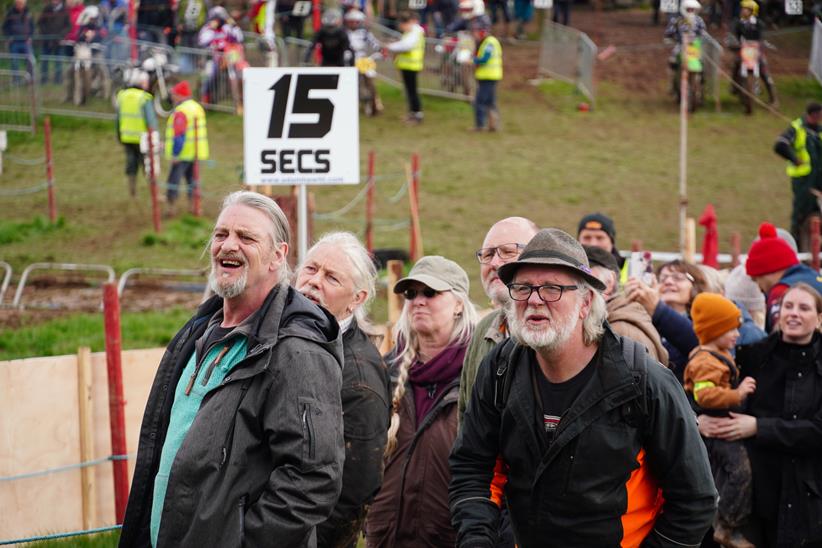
x,y
552,337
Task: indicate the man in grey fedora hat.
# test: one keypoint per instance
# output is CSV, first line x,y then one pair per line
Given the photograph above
x,y
598,442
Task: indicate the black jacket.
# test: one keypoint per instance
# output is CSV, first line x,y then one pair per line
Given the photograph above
x,y
262,461
54,23
18,25
366,403
786,453
630,421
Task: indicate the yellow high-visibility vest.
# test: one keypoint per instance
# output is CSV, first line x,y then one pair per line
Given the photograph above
x,y
492,70
801,150
413,59
193,112
130,102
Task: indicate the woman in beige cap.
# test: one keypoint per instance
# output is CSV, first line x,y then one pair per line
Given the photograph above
x,y
432,334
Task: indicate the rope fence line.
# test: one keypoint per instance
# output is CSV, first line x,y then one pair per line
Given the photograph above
x,y
67,467
56,536
40,160
344,209
13,192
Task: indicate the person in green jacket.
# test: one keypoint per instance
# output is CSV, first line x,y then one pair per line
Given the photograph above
x,y
800,145
503,244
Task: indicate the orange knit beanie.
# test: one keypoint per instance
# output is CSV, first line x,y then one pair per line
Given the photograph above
x,y
713,316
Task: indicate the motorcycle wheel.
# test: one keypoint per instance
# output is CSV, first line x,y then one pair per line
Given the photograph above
x,y
747,93
163,106
81,86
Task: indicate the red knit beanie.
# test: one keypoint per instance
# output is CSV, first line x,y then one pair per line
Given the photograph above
x,y
182,89
769,253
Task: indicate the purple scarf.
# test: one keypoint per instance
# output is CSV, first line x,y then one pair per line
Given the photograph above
x,y
430,379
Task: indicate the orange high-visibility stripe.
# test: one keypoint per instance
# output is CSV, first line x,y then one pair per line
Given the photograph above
x,y
498,482
644,504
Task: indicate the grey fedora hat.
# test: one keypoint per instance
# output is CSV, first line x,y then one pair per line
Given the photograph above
x,y
438,273
553,247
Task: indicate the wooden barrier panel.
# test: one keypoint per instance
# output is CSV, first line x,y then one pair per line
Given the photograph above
x,y
39,429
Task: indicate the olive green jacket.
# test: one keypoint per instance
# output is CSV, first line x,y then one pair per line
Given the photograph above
x,y
489,332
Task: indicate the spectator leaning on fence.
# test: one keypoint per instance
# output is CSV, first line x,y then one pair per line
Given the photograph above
x,y
53,24
242,441
409,59
338,274
186,143
135,118
600,443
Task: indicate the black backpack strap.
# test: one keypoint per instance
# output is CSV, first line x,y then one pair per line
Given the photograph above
x,y
636,412
503,354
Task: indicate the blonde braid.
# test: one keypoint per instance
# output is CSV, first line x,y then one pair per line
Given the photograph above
x,y
404,360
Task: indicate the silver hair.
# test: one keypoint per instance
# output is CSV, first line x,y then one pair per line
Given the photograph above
x,y
593,326
363,272
460,334
279,231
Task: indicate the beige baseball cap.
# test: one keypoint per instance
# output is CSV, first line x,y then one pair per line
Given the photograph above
x,y
438,273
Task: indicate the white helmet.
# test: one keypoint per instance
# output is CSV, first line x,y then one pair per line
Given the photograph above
x,y
472,8
88,15
139,78
354,15
689,5
331,17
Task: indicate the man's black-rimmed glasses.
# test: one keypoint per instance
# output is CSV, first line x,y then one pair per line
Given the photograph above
x,y
549,293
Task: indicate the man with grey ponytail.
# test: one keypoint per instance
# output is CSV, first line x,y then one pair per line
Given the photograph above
x,y
432,334
242,439
598,443
339,274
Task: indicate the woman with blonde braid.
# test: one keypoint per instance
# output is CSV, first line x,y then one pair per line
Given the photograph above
x,y
432,334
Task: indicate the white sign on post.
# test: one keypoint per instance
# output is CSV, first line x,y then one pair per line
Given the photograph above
x,y
301,126
543,4
669,6
793,7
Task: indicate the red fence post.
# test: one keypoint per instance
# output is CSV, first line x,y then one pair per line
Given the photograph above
x,y
132,30
815,243
50,171
369,204
152,182
116,402
736,248
196,208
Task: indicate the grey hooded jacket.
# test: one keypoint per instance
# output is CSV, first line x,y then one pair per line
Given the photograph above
x,y
262,462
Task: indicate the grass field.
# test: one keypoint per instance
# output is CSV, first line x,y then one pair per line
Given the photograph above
x,y
550,163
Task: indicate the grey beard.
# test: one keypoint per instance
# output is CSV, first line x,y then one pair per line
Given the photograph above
x,y
228,290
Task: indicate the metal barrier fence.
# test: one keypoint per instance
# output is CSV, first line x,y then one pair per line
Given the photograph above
x,y
442,74
712,55
568,54
815,66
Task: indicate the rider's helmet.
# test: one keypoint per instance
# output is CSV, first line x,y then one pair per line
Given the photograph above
x,y
89,16
689,7
751,5
139,78
218,13
471,8
481,23
354,18
331,17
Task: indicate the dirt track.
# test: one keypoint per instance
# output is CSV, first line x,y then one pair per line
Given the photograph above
x,y
639,62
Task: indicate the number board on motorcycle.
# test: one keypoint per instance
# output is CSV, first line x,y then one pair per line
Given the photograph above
x,y
301,126
793,7
543,4
669,6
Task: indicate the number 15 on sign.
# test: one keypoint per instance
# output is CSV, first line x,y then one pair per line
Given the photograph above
x,y
301,126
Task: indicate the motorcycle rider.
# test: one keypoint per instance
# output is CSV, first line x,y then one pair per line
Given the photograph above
x,y
688,25
90,31
219,30
363,44
749,27
332,38
135,116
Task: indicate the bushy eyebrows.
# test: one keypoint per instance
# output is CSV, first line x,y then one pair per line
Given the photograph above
x,y
242,232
